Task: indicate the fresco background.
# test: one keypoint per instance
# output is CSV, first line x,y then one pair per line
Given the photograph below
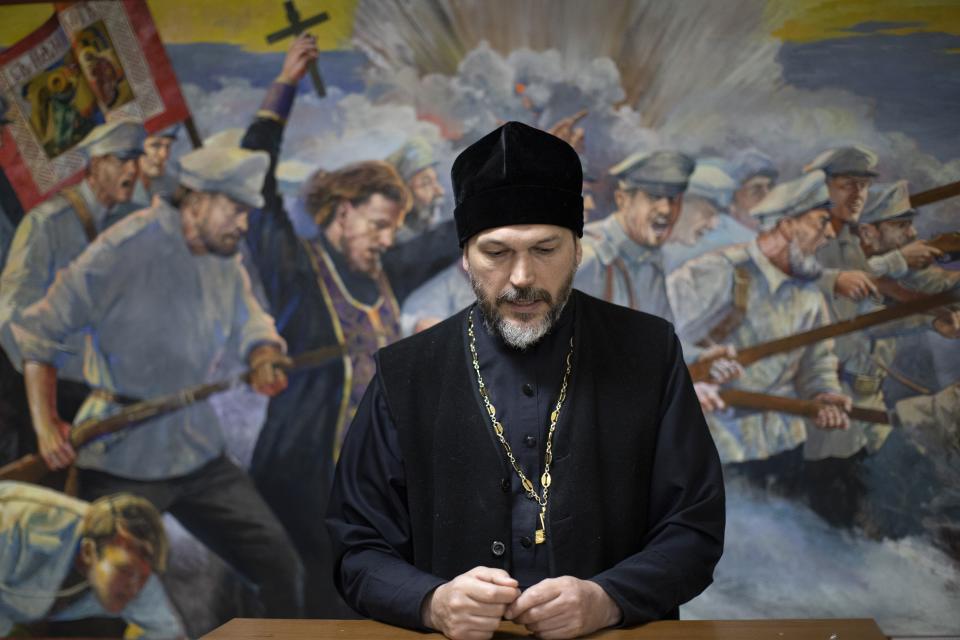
x,y
708,78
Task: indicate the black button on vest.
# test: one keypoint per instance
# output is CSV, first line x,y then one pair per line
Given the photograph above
x,y
526,542
498,548
527,390
505,485
529,442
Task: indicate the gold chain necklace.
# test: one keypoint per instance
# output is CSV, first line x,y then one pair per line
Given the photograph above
x,y
540,535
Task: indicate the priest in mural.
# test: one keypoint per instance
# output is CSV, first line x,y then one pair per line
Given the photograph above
x,y
343,287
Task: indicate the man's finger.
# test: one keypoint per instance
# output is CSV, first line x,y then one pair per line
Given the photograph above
x,y
547,615
490,593
487,610
536,595
494,575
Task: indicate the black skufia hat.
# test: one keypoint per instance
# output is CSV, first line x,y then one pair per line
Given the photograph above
x,y
517,175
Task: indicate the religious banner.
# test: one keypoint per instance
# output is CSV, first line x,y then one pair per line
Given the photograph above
x,y
91,62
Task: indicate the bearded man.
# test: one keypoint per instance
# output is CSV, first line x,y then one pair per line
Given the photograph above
x,y
761,290
164,296
539,456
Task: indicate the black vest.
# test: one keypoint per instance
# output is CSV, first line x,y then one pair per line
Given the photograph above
x,y
599,498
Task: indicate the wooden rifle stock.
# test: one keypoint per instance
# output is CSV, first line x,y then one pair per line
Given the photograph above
x,y
700,370
795,406
32,468
948,243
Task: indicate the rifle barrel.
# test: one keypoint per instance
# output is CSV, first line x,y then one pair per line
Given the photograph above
x,y
700,370
935,195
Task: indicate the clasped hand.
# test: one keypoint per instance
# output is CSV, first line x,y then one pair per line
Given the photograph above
x,y
472,605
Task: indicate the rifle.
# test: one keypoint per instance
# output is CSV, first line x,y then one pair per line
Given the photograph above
x,y
32,468
700,370
935,195
795,406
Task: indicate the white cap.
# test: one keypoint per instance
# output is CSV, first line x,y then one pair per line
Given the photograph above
x,y
225,138
793,198
712,183
236,173
120,138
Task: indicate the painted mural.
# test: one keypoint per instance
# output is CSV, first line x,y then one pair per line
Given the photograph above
x,y
840,451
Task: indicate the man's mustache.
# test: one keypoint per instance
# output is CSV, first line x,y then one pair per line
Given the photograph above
x,y
524,295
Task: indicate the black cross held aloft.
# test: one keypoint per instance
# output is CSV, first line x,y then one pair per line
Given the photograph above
x,y
295,27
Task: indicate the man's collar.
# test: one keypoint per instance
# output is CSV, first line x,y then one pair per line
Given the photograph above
x,y
623,244
773,275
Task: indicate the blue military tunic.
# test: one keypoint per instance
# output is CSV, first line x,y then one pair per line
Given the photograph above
x,y
48,238
617,269
161,319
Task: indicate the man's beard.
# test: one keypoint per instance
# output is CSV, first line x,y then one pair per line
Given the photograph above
x,y
803,267
521,336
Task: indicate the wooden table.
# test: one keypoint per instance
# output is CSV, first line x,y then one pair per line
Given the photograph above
x,y
839,629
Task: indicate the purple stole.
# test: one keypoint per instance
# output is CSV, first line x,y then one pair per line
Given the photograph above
x,y
360,328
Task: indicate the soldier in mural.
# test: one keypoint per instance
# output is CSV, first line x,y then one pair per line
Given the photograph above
x,y
754,292
155,174
47,239
622,261
416,164
622,256
887,241
755,174
165,297
704,204
342,287
846,282
65,560
849,173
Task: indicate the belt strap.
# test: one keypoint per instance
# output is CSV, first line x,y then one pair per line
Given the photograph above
x,y
620,266
82,211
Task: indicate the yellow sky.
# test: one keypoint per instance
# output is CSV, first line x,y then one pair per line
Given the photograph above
x,y
813,20
244,23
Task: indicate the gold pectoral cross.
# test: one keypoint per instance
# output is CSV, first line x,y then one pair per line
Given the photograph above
x,y
540,535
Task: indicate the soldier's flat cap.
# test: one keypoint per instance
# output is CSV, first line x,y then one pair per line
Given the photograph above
x,y
793,198
236,173
412,158
888,202
120,138
747,163
517,175
846,161
661,174
711,182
